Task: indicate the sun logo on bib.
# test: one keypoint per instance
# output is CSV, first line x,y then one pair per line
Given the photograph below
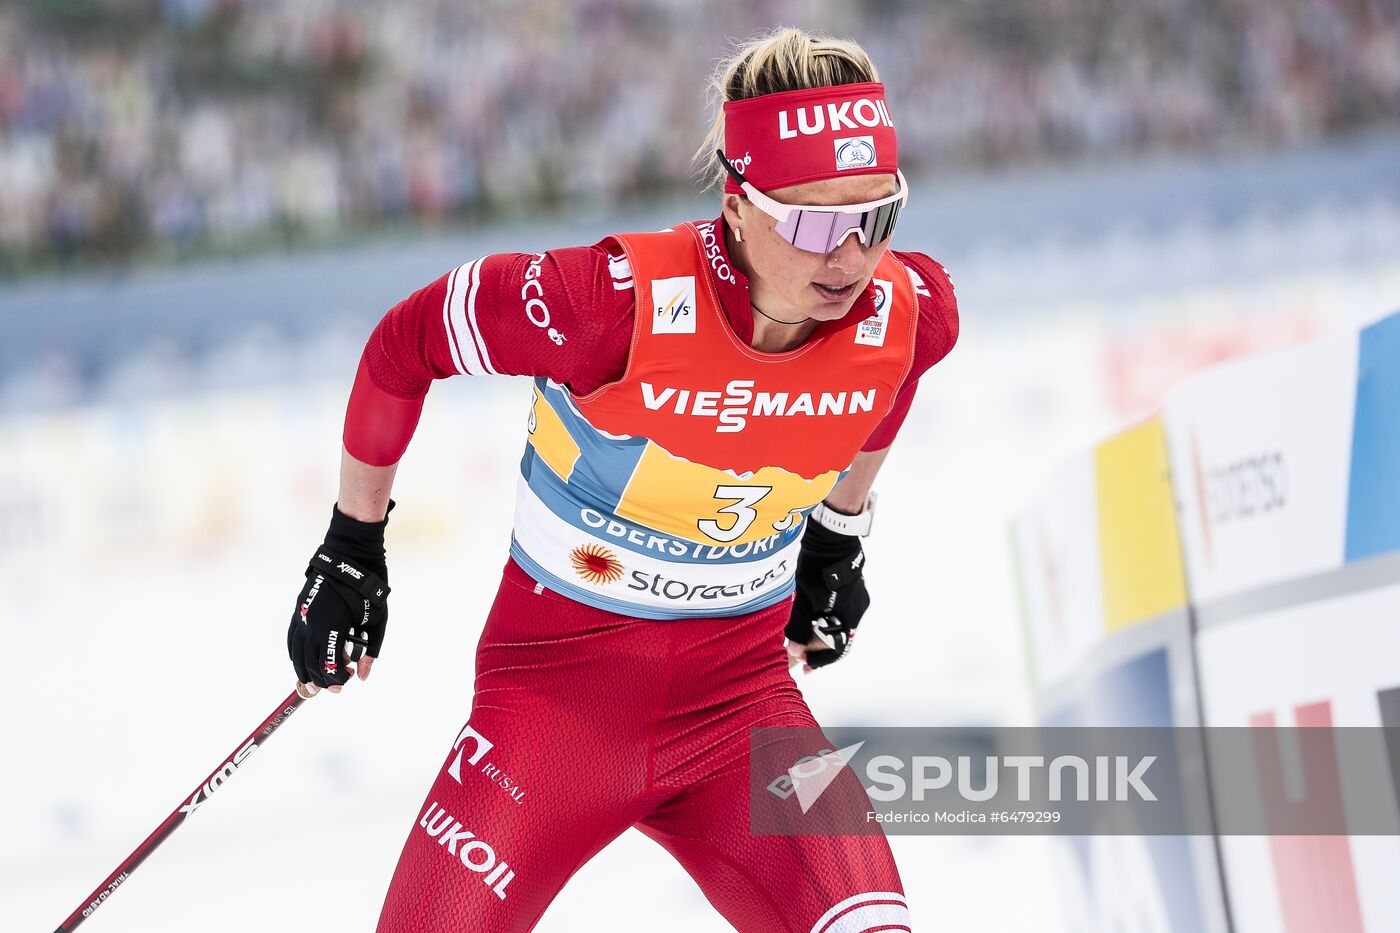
x,y
596,564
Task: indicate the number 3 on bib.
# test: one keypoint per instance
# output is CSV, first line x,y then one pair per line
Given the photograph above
x,y
743,499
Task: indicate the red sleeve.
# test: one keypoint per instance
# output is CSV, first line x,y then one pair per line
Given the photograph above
x,y
565,314
936,334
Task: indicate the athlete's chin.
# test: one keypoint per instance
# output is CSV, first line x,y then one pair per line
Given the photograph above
x,y
830,310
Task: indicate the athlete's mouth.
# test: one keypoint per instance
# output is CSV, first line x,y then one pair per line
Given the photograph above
x,y
834,294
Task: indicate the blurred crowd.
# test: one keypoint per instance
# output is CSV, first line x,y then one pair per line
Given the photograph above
x,y
172,126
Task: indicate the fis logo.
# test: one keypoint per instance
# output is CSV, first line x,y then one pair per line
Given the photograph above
x,y
673,305
855,152
871,331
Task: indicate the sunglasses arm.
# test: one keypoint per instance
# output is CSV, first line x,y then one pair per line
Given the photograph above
x,y
778,211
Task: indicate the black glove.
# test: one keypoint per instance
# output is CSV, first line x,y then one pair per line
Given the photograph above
x,y
831,595
341,613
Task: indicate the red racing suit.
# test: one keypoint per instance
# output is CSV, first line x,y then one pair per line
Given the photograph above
x,y
667,476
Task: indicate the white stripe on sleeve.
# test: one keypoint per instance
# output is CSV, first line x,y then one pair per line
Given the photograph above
x,y
460,337
918,282
447,320
620,268
471,318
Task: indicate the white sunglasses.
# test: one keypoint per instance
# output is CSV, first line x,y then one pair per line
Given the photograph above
x,y
822,228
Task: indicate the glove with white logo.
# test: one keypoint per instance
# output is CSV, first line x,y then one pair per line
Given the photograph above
x,y
831,595
342,611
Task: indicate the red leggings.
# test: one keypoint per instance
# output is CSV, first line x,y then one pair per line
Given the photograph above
x,y
586,722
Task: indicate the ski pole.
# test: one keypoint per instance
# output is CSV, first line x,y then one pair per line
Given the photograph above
x,y
201,793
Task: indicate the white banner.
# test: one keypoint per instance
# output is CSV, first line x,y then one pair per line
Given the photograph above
x,y
1260,450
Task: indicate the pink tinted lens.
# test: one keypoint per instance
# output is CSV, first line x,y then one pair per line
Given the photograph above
x,y
818,231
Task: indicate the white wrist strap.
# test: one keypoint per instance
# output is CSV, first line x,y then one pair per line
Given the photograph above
x,y
846,524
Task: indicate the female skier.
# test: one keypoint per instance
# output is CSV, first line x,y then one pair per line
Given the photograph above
x,y
711,404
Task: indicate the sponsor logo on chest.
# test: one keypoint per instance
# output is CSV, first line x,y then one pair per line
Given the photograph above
x,y
739,400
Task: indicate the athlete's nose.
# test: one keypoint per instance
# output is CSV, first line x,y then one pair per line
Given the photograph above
x,y
847,256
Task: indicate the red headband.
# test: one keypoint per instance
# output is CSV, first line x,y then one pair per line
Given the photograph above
x,y
777,140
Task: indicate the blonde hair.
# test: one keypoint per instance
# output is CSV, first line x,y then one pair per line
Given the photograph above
x,y
785,59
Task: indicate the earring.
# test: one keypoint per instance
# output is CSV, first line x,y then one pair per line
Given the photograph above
x,y
738,235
